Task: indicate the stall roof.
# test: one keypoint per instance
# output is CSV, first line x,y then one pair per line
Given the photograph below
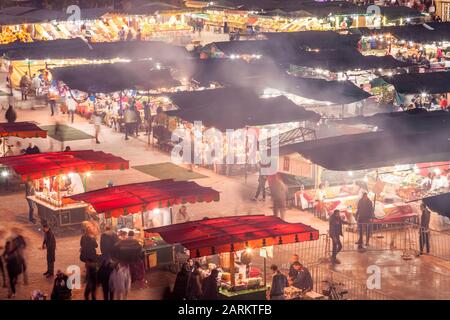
x,y
132,198
229,234
337,92
374,149
77,48
112,77
21,130
341,60
21,15
416,83
419,33
265,74
439,204
150,8
236,107
411,120
35,166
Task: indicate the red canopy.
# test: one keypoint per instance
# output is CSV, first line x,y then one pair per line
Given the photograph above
x,y
35,166
136,197
213,236
21,130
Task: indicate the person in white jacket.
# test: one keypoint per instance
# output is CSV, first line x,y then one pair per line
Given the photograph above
x,y
120,282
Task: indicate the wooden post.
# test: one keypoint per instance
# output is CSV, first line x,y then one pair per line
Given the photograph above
x,y
232,278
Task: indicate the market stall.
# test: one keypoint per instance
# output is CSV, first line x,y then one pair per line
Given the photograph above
x,y
403,168
19,130
231,243
54,175
140,206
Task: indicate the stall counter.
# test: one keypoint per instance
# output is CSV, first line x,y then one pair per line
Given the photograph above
x,y
249,294
68,214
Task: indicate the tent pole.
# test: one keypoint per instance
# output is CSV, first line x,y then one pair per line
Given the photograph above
x,y
265,271
375,197
233,280
246,154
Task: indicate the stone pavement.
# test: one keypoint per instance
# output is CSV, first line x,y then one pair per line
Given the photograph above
x,y
401,279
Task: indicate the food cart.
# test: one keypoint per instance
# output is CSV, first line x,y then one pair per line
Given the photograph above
x,y
54,175
140,206
231,244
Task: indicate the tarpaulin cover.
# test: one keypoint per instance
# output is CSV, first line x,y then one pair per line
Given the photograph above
x,y
35,166
21,130
439,204
111,77
138,197
374,149
430,82
261,75
213,236
235,108
412,120
77,48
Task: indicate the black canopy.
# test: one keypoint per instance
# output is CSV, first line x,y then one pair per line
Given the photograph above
x,y
77,48
419,33
439,204
411,83
21,15
411,120
341,60
235,108
111,77
284,52
265,74
374,149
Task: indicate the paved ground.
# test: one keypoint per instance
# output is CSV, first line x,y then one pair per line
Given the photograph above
x,y
417,278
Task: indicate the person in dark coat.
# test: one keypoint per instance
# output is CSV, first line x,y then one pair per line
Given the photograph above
x,y
194,287
60,289
279,282
210,286
181,282
303,280
91,281
13,266
107,241
335,231
424,233
364,215
88,244
292,271
49,244
10,114
103,276
262,179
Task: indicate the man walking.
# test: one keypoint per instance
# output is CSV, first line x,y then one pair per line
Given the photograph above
x,y
335,232
129,119
29,191
279,282
364,215
424,233
262,179
50,245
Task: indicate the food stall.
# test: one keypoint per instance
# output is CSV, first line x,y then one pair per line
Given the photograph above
x,y
233,245
394,169
140,206
54,175
19,130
